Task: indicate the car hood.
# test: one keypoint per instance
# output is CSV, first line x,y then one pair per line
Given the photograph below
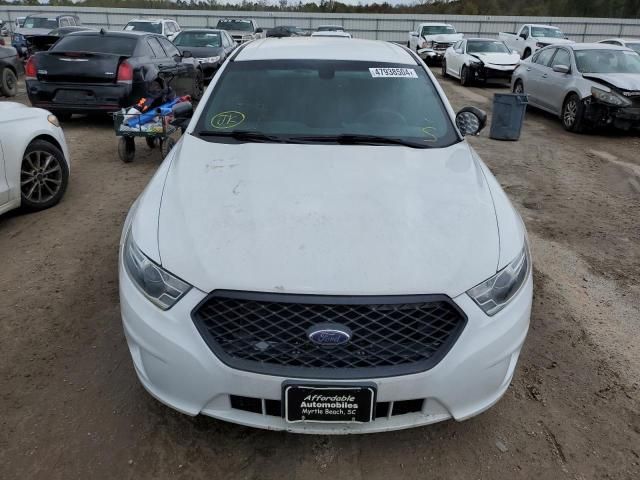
x,y
202,52
623,81
498,58
553,40
444,37
29,32
326,219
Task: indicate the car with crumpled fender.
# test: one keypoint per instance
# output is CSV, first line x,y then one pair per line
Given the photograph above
x,y
323,252
585,84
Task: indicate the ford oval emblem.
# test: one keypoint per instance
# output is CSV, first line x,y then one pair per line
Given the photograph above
x,y
329,334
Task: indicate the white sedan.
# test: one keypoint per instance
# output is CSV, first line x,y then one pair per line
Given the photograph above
x,y
34,159
480,59
323,252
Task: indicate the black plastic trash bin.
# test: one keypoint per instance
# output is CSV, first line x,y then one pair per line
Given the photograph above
x,y
508,115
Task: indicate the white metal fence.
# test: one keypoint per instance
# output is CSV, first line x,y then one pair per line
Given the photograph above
x,y
391,27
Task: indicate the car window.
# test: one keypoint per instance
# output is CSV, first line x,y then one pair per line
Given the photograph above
x,y
156,48
96,44
326,98
437,30
486,46
607,61
225,40
198,39
548,32
562,57
634,46
176,27
64,22
151,27
238,25
544,56
525,30
40,22
72,21
169,47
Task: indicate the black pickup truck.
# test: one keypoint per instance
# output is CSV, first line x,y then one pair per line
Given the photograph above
x,y
87,72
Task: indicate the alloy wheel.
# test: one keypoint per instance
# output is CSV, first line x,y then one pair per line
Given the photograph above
x,y
40,176
570,113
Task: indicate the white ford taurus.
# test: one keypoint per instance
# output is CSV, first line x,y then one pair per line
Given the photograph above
x,y
323,252
34,159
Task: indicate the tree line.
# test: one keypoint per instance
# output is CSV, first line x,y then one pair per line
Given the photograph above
x,y
561,8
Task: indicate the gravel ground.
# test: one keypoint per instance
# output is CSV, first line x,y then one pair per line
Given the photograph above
x,y
73,408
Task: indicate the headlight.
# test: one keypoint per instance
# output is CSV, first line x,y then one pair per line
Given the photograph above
x,y
476,61
494,294
209,59
53,120
610,98
159,286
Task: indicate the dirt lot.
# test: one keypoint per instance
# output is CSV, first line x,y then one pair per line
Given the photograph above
x,y
71,406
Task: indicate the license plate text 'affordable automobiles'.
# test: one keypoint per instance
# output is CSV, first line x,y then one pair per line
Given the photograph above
x,y
329,404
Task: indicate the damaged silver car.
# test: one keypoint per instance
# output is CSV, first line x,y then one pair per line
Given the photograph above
x,y
585,84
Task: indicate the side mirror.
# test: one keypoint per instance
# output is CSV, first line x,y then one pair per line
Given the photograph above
x,y
187,54
470,121
561,69
524,36
259,30
413,34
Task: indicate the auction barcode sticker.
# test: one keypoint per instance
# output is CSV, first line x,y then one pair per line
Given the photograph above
x,y
393,73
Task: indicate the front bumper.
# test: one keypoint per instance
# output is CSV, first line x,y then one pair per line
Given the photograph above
x,y
431,54
81,97
603,115
176,366
492,72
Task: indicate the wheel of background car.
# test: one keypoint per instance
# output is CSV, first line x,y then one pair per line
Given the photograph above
x,y
526,53
518,87
198,87
44,176
572,114
464,76
408,44
152,142
8,82
126,149
383,116
444,68
166,146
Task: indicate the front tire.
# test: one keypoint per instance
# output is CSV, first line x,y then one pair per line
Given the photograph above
x,y
8,82
444,68
198,85
44,176
573,114
465,79
526,54
518,87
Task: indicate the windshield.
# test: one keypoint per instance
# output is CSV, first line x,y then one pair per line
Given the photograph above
x,y
546,32
239,25
316,101
144,27
96,44
634,46
485,46
607,61
39,22
198,39
437,30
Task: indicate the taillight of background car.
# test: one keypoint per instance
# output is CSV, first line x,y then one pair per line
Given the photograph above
x,y
31,69
125,72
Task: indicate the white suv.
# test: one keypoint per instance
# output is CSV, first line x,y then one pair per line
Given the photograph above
x,y
167,27
323,252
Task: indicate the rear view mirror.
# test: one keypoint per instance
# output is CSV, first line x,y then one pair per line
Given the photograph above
x,y
561,69
524,36
413,34
470,121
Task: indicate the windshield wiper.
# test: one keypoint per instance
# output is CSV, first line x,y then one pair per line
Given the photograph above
x,y
246,135
356,139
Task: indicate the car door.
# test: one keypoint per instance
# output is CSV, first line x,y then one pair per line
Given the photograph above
x,y
555,84
183,82
4,185
454,62
537,73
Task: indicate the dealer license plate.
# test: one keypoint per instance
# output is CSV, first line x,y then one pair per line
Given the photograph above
x,y
328,404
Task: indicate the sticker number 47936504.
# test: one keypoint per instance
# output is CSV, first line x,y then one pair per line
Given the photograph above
x,y
393,73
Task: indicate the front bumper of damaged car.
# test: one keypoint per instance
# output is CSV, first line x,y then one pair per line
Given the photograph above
x,y
487,71
601,114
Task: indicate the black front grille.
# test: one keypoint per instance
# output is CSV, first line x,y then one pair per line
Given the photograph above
x,y
441,46
267,333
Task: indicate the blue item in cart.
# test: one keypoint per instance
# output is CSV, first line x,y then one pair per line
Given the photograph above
x,y
148,117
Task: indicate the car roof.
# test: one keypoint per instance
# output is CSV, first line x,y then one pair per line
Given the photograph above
x,y
115,33
325,48
150,20
484,39
594,46
621,39
435,24
205,30
543,25
46,15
